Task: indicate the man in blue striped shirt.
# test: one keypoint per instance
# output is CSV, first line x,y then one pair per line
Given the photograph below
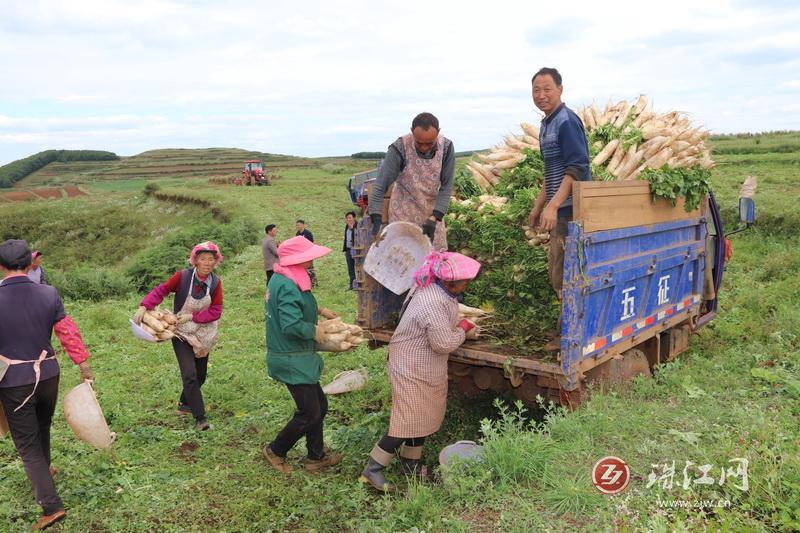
x,y
565,150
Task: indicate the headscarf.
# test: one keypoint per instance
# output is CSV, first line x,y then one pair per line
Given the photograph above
x,y
446,266
207,246
296,273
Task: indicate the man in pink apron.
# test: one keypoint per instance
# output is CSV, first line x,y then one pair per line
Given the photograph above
x,y
420,165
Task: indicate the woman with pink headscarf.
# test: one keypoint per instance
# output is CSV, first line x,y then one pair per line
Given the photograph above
x,y
198,305
428,331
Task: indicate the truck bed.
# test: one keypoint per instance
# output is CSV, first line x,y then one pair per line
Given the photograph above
x,y
484,353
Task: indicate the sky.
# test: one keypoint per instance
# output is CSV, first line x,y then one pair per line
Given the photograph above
x,y
321,78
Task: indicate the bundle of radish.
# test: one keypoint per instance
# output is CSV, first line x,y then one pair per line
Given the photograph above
x,y
485,204
489,169
474,315
629,141
160,324
512,287
337,336
536,237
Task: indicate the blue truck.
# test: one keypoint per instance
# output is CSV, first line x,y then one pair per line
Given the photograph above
x,y
640,276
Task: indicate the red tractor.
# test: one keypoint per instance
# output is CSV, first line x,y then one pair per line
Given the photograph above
x,y
253,173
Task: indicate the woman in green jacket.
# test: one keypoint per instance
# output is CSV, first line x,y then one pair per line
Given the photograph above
x,y
291,358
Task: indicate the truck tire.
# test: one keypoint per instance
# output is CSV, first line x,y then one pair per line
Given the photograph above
x,y
618,372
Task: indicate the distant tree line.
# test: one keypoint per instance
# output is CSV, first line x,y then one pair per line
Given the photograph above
x,y
368,155
16,170
748,135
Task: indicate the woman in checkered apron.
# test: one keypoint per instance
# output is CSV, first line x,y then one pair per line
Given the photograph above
x,y
428,331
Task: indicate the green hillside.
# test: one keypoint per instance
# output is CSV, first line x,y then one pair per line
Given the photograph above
x,y
182,164
734,394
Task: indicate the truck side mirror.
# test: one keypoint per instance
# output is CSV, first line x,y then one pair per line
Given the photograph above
x,y
747,210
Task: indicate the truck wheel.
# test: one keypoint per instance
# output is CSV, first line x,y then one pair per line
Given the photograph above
x,y
528,391
460,376
618,372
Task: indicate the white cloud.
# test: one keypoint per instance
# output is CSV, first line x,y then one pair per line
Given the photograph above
x,y
339,77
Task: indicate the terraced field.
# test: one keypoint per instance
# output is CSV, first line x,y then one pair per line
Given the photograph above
x,y
179,164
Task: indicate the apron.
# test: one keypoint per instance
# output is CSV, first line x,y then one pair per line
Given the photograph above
x,y
37,370
417,187
201,337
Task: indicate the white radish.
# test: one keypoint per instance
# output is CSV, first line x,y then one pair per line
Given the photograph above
x,y
606,152
623,115
619,153
658,160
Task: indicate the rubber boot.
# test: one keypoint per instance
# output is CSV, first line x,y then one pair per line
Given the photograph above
x,y
411,462
414,468
373,471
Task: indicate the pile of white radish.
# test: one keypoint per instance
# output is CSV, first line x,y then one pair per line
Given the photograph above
x,y
485,204
635,137
488,204
662,139
504,156
337,336
160,324
536,237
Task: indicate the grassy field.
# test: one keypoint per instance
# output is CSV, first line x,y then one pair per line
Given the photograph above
x,y
734,394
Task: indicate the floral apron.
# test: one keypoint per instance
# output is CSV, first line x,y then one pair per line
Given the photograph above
x,y
417,187
201,337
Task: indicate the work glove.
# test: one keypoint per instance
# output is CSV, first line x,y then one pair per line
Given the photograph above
x,y
429,228
137,317
183,318
319,335
466,325
86,372
375,218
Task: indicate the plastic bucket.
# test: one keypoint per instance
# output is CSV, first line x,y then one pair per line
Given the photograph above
x,y
85,417
401,252
140,333
464,450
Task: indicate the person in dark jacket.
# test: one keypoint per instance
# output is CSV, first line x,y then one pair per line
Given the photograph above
x,y
565,152
198,305
29,372
300,226
291,313
347,246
